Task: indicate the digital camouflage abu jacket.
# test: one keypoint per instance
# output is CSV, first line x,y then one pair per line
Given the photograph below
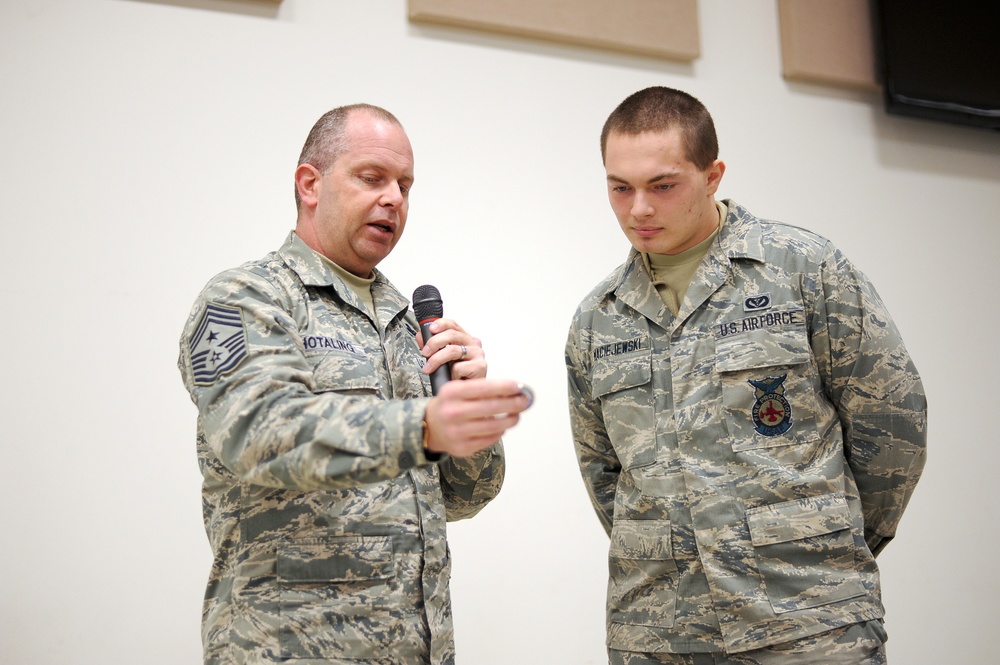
x,y
326,519
750,456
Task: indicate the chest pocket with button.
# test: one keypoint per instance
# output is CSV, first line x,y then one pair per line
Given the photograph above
x,y
769,387
344,372
623,384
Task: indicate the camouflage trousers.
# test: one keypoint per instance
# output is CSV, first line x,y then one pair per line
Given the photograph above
x,y
857,644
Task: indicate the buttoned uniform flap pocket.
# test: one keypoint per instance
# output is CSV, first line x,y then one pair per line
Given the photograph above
x,y
805,552
643,577
794,520
345,595
621,373
348,559
770,389
623,385
641,539
763,348
344,372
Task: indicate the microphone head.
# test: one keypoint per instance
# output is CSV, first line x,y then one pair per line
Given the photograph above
x,y
427,303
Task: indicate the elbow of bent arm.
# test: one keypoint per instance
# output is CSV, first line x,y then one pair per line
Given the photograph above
x,y
887,456
469,483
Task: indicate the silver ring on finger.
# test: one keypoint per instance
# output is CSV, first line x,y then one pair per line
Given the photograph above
x,y
465,352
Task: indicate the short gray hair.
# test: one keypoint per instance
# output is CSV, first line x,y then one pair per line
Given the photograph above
x,y
327,139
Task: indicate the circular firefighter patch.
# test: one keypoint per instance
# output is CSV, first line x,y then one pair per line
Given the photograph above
x,y
771,413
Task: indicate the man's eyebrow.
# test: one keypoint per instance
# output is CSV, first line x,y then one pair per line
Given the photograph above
x,y
657,178
375,165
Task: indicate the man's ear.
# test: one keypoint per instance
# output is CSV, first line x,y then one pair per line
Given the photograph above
x,y
715,171
307,183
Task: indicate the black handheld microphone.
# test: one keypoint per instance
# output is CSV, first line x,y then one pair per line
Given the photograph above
x,y
428,308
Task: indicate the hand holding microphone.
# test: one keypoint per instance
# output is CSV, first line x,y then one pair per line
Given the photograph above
x,y
469,415
451,352
428,308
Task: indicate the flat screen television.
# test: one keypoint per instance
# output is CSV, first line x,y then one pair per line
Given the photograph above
x,y
940,60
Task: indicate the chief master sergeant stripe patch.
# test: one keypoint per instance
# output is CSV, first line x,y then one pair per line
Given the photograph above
x,y
218,344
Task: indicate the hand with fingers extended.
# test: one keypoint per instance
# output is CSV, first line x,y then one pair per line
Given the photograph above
x,y
468,416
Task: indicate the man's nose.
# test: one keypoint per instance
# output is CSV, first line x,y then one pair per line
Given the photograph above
x,y
392,195
641,206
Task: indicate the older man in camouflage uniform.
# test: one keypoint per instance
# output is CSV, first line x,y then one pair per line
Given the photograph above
x,y
329,470
748,423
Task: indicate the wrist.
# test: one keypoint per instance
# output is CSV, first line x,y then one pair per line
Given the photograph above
x,y
425,441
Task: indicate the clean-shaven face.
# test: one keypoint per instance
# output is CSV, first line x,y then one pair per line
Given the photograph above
x,y
363,197
664,203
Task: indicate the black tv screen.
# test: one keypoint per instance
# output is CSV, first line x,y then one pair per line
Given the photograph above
x,y
941,60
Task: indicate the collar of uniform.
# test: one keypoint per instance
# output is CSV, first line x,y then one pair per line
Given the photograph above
x,y
634,287
307,263
740,236
313,271
389,302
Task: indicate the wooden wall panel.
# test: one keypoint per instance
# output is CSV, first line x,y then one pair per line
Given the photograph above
x,y
828,41
661,28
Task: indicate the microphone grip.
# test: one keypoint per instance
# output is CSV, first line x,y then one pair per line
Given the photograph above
x,y
442,374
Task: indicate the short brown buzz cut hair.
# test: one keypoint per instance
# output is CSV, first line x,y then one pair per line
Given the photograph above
x,y
659,109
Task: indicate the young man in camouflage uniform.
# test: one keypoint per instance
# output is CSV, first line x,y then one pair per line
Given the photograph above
x,y
329,470
747,421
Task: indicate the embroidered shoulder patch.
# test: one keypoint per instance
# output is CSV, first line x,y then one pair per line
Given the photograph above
x,y
219,343
772,414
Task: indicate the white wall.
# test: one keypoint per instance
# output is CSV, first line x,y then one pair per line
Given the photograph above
x,y
146,145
